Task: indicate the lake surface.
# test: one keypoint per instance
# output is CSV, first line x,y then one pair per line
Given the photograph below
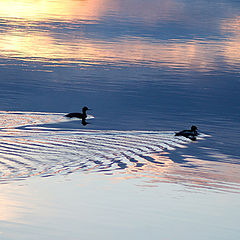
x,y
147,69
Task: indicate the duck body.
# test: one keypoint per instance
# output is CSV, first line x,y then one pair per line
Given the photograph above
x,y
82,115
191,134
76,115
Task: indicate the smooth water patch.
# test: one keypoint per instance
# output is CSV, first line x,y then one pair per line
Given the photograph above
x,y
85,206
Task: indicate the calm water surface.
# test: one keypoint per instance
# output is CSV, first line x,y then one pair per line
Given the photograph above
x,y
147,69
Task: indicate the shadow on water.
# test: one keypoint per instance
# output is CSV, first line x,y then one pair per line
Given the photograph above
x,y
84,122
30,148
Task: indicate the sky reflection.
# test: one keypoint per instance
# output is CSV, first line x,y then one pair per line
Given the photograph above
x,y
192,172
147,40
89,31
30,10
147,69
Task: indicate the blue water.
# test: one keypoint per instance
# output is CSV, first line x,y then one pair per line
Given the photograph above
x,y
155,66
147,69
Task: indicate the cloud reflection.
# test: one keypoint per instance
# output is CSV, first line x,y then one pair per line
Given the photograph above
x,y
193,55
232,47
26,36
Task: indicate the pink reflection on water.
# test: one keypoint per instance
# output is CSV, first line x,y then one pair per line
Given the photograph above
x,y
206,174
48,46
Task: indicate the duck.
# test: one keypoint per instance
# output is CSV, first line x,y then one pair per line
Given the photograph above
x,y
191,134
82,115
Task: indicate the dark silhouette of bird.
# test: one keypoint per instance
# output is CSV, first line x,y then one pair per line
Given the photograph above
x,y
191,134
84,123
82,115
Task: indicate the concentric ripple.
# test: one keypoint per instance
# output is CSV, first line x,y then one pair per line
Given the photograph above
x,y
28,148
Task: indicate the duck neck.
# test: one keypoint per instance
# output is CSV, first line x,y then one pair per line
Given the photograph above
x,y
84,113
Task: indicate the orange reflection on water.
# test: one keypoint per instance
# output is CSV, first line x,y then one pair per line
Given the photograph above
x,y
48,46
232,47
32,10
43,47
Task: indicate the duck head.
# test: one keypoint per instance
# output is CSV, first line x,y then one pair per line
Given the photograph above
x,y
194,128
84,109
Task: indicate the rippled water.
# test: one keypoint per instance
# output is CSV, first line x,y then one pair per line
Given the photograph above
x,y
146,68
29,148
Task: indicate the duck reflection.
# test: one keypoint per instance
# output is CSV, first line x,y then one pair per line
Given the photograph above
x,y
84,122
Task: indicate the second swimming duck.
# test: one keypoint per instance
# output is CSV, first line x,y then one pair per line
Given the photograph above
x,y
82,115
191,134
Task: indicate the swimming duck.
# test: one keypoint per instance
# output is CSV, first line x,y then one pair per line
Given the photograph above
x,y
191,134
82,115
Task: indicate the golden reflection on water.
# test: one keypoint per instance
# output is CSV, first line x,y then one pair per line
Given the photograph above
x,y
190,55
32,10
232,47
47,46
